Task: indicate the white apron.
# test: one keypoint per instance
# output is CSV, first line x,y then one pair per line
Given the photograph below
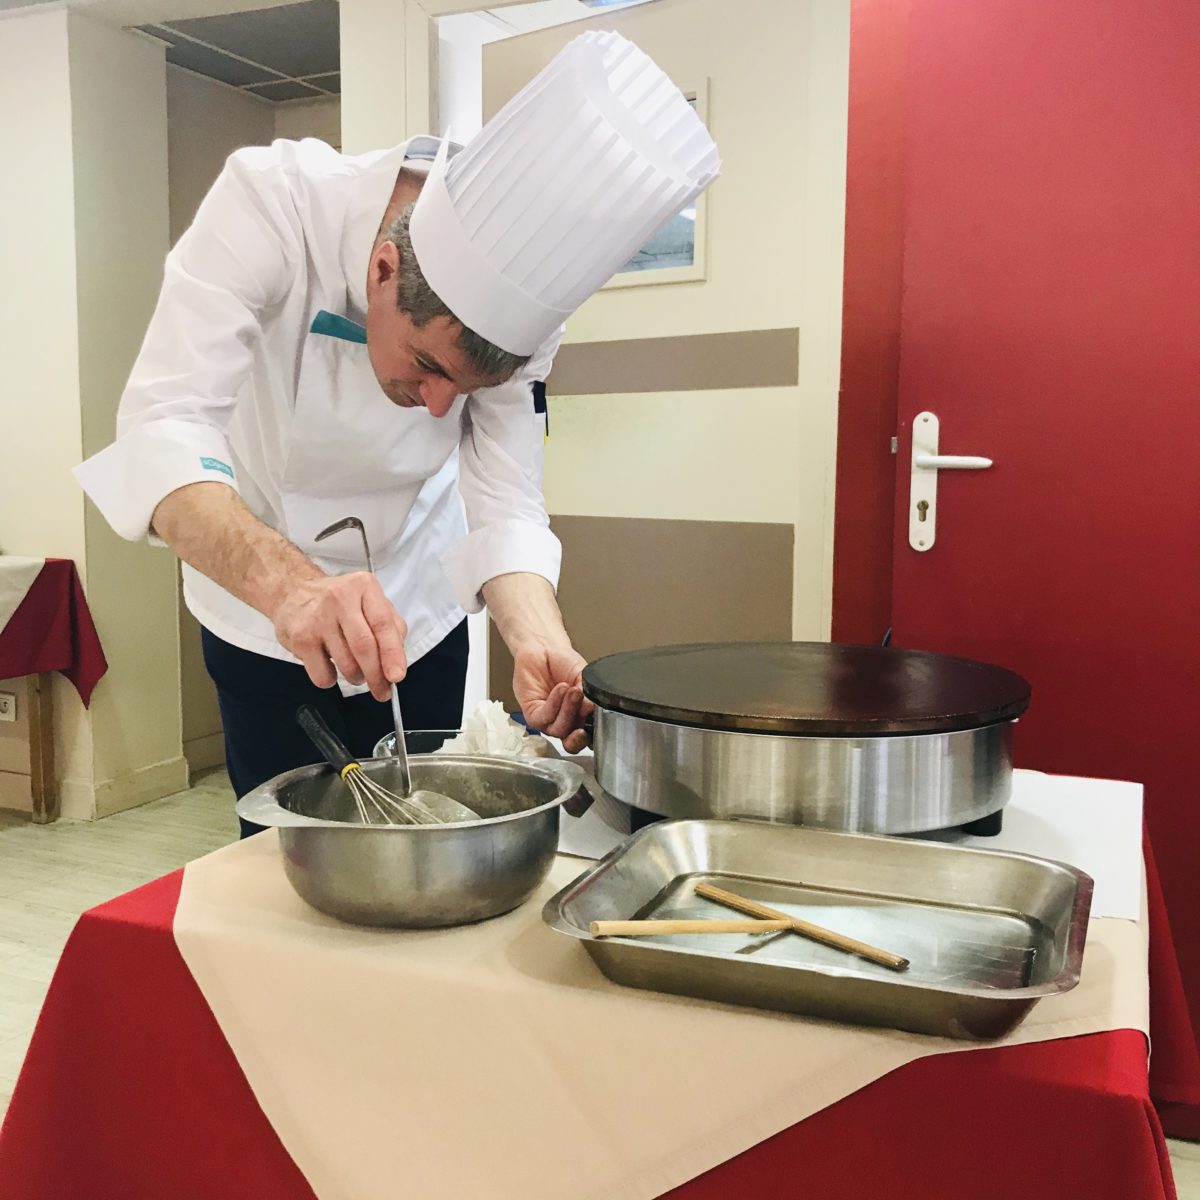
x,y
352,452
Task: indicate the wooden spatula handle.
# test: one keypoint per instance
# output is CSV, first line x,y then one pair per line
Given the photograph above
x,y
826,937
650,928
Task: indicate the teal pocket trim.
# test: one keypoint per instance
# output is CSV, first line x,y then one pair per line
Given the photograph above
x,y
331,325
215,464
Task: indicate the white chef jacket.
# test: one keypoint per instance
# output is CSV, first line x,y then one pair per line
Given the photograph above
x,y
254,373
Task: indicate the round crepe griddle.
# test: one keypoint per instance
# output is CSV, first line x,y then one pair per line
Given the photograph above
x,y
808,688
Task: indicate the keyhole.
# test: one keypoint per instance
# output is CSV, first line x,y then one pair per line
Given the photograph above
x,y
922,509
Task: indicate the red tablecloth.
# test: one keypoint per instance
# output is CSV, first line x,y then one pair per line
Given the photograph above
x,y
52,630
130,1092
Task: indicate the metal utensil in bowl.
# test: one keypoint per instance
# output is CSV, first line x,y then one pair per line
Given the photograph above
x,y
375,802
419,876
431,741
400,750
420,741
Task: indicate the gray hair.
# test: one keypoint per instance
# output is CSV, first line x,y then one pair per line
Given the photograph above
x,y
421,304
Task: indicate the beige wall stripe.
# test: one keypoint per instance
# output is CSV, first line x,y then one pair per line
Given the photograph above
x,y
629,582
701,362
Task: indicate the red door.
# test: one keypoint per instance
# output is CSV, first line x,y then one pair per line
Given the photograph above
x,y
1050,318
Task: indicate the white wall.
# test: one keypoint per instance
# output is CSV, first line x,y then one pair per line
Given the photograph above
x,y
389,71
208,121
460,89
118,98
40,435
778,73
389,48
91,211
86,172
39,387
374,48
311,118
461,39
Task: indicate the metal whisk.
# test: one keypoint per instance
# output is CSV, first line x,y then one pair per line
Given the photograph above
x,y
375,804
401,751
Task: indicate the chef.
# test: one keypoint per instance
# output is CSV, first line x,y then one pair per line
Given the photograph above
x,y
365,336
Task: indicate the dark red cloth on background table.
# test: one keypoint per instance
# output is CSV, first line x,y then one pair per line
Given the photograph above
x,y
130,1092
1175,1063
52,630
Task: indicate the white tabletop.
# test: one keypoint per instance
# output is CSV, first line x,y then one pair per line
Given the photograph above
x,y
1092,824
16,578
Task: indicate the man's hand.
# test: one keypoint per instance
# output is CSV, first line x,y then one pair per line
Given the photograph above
x,y
343,622
546,680
547,685
326,621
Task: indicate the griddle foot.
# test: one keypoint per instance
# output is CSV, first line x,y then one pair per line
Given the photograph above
x,y
987,826
639,818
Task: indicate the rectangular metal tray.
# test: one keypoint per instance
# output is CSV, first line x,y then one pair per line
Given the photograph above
x,y
988,933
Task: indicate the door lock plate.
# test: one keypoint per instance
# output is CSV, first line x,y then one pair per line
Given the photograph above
x,y
922,491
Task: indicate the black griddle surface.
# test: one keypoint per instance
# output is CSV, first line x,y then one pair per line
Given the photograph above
x,y
806,688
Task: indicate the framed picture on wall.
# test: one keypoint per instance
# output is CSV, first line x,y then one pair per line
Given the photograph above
x,y
676,253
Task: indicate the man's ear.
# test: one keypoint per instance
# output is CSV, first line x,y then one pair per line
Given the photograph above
x,y
385,266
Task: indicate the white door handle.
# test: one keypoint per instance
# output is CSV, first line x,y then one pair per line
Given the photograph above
x,y
951,462
926,463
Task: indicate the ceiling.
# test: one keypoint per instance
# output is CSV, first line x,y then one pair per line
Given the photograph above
x,y
291,52
285,53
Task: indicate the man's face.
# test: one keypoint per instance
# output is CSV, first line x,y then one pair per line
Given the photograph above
x,y
417,366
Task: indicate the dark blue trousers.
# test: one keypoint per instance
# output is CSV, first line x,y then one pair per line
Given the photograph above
x,y
259,696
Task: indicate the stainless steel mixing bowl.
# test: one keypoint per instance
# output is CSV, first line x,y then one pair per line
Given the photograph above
x,y
419,876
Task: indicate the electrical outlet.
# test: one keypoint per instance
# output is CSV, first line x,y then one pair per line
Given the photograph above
x,y
8,706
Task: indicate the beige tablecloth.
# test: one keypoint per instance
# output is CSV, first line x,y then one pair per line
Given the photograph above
x,y
495,1061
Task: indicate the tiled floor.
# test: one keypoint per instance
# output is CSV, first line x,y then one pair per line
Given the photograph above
x,y
1185,1161
49,874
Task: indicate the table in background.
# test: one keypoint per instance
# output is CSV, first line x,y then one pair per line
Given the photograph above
x,y
51,629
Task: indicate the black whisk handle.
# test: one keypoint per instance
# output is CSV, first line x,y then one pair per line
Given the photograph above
x,y
325,740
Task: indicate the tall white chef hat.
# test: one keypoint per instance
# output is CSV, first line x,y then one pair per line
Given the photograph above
x,y
559,189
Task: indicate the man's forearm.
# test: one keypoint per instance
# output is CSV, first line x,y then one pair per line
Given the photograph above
x,y
209,526
547,680
526,612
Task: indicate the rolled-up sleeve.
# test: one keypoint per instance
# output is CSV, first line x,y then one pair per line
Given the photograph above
x,y
500,476
232,265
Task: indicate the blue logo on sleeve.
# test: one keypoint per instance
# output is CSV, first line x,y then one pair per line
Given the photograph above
x,y
215,464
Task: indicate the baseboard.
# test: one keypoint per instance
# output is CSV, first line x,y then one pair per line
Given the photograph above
x,y
15,793
203,753
82,801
